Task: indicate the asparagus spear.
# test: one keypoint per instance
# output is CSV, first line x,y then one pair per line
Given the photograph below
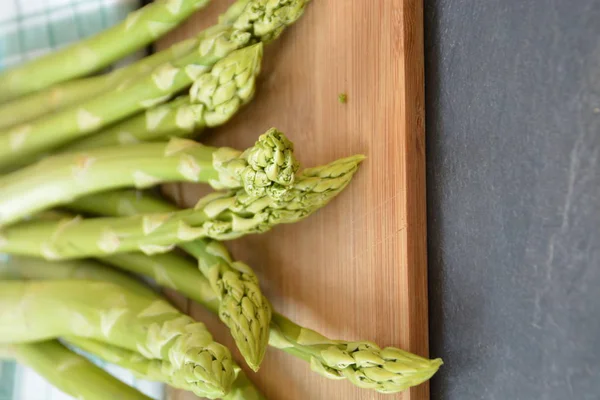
x,y
363,363
159,370
57,180
261,21
156,370
220,215
243,308
16,268
71,373
34,311
237,297
214,98
141,27
68,93
366,365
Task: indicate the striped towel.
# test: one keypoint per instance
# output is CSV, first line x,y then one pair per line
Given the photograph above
x,y
29,29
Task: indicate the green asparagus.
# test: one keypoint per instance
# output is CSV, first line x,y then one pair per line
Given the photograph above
x,y
60,179
243,308
159,370
240,303
141,28
214,98
220,215
261,21
179,271
65,94
387,370
35,311
16,268
71,373
68,93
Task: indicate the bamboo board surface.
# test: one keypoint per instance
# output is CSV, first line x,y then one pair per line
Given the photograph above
x,y
356,270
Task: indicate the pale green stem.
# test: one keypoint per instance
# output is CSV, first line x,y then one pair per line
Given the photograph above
x,y
71,373
65,94
60,179
40,310
366,365
215,97
167,270
139,29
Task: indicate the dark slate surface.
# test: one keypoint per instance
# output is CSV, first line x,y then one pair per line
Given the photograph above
x,y
513,116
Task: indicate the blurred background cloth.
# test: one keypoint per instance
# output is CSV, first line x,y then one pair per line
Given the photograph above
x,y
29,29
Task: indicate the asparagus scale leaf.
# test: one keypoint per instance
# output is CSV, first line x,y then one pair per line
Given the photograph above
x,y
139,29
35,311
60,179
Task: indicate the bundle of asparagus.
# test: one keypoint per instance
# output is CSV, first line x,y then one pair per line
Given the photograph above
x,y
88,144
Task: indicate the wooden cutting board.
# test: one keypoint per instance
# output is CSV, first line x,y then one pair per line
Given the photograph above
x,y
356,270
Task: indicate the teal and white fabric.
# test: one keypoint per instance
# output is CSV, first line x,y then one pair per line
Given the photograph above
x,y
29,29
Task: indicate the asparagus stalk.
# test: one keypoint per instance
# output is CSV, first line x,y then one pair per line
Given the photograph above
x,y
363,363
57,180
237,297
243,308
178,272
366,365
261,21
220,215
141,27
71,373
16,268
68,93
34,311
65,94
159,370
214,98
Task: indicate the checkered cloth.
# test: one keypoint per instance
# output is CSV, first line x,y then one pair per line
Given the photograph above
x,y
29,29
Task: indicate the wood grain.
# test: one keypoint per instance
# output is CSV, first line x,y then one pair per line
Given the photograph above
x,y
356,269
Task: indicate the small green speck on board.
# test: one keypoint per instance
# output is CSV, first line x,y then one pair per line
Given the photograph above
x,y
343,98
